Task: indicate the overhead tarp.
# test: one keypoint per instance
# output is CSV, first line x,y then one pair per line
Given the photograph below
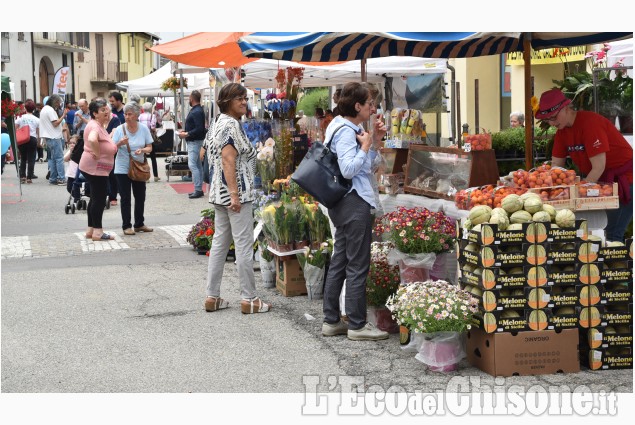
x,y
205,49
262,73
338,46
150,85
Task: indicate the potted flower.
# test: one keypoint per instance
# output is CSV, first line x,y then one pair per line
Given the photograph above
x,y
313,263
438,313
266,164
382,282
267,264
201,234
318,225
419,236
284,223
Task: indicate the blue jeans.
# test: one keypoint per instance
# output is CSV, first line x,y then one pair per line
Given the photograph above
x,y
55,152
618,220
194,163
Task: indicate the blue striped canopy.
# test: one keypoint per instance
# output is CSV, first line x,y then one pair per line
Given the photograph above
x,y
339,46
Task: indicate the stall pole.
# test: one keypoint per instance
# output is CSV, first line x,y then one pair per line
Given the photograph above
x,y
529,129
476,111
453,121
458,114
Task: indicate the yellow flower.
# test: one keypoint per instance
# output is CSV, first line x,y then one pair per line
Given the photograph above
x,y
535,105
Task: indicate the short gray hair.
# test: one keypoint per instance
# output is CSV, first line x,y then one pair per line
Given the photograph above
x,y
132,107
519,115
147,107
135,98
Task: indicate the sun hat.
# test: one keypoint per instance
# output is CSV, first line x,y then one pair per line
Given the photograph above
x,y
551,102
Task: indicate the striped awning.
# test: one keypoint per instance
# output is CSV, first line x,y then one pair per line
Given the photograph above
x,y
339,46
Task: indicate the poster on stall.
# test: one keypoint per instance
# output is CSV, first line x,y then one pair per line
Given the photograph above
x,y
422,92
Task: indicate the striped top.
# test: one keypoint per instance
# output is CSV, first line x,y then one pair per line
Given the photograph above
x,y
229,131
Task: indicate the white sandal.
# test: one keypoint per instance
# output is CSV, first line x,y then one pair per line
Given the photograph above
x,y
255,305
215,303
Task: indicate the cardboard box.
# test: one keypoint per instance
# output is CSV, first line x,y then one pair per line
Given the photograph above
x,y
618,253
289,277
616,272
500,321
568,234
608,358
525,353
606,336
492,255
605,315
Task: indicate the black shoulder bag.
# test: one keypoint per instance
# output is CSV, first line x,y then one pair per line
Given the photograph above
x,y
319,174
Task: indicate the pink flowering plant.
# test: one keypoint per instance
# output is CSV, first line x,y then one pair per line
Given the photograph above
x,y
433,306
417,230
383,278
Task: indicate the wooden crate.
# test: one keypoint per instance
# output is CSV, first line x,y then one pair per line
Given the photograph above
x,y
603,203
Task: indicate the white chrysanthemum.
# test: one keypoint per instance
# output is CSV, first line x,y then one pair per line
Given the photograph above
x,y
270,143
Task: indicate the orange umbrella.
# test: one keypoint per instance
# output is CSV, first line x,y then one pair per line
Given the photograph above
x,y
206,49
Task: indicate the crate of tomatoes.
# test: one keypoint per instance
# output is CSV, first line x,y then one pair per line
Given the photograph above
x,y
544,176
467,198
477,142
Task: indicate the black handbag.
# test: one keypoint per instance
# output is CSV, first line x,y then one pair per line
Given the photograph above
x,y
319,174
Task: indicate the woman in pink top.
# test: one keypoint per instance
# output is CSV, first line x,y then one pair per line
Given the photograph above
x,y
96,162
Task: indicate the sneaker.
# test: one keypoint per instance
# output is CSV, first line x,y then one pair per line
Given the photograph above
x,y
61,182
29,181
368,333
22,180
339,328
143,228
34,177
156,179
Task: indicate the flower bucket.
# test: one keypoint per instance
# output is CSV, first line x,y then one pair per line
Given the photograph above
x,y
300,244
444,268
268,271
411,274
442,351
314,278
285,247
412,267
381,317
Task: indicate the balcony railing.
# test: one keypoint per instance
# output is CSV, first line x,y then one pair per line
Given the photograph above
x,y
123,72
67,41
103,71
6,54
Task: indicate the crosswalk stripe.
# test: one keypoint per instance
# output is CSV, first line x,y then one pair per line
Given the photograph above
x,y
178,232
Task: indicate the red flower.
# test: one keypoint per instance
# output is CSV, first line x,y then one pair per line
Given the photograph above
x,y
209,232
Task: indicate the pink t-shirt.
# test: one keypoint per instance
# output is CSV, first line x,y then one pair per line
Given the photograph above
x,y
107,149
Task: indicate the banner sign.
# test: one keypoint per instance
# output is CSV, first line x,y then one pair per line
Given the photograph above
x,y
62,78
549,56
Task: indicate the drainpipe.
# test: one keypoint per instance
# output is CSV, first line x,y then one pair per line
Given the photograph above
x,y
118,56
453,101
33,66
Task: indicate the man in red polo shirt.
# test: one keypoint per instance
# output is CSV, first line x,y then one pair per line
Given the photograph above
x,y
597,148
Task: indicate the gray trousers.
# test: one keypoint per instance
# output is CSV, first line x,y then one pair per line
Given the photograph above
x,y
351,260
238,226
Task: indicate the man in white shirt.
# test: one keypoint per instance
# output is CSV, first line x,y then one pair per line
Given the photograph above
x,y
51,131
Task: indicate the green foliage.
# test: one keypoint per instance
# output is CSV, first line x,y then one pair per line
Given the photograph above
x,y
579,88
314,98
